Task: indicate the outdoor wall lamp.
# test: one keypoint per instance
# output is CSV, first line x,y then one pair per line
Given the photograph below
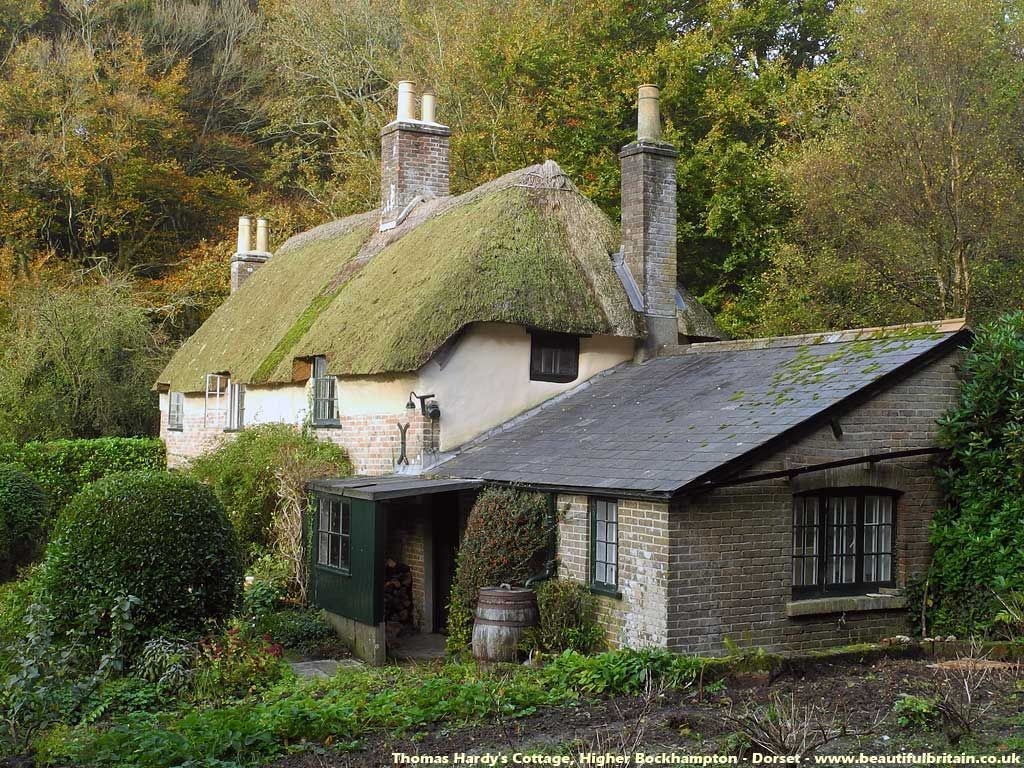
x,y
423,405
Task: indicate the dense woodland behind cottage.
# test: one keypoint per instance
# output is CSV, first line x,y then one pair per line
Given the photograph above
x,y
841,164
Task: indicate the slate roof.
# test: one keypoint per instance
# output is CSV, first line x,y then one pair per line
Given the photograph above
x,y
675,421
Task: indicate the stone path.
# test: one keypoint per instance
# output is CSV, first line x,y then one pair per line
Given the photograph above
x,y
322,668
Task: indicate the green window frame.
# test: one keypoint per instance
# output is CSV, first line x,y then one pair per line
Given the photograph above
x,y
604,544
334,531
844,541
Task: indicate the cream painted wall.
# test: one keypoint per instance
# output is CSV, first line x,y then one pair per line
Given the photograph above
x,y
287,404
485,380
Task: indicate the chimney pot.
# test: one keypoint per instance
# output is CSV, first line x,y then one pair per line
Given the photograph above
x,y
244,234
648,128
428,107
262,236
406,100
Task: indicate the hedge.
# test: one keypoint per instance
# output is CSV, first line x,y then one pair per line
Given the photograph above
x,y
62,467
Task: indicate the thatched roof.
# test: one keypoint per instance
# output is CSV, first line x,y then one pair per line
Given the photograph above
x,y
527,248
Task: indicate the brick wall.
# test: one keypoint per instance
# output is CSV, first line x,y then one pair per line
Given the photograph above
x,y
374,442
731,549
414,161
406,543
198,435
718,566
638,618
648,195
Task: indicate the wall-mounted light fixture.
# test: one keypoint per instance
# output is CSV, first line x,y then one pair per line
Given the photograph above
x,y
423,404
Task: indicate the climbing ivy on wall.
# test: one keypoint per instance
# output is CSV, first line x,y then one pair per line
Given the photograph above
x,y
978,534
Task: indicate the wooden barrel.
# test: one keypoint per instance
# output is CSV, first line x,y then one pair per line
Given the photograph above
x,y
502,613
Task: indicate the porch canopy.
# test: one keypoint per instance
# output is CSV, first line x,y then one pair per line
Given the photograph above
x,y
358,524
389,487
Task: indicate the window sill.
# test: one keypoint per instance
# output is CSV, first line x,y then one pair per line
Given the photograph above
x,y
233,429
848,604
334,569
325,424
175,429
602,591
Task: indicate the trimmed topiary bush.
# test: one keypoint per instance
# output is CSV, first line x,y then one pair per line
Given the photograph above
x,y
162,538
506,541
23,512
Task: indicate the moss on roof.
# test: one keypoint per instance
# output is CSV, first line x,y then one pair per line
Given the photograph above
x,y
527,249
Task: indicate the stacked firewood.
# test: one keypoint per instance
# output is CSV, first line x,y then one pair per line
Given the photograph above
x,y
399,611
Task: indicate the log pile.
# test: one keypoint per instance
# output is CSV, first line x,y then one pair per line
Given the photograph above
x,y
399,610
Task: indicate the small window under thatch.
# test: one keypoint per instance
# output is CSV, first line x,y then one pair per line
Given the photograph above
x,y
554,357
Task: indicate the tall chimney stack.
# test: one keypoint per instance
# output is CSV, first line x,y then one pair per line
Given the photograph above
x,y
246,260
413,156
649,220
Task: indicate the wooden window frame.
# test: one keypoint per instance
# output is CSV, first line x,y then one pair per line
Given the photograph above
x,y
563,370
343,535
825,535
176,411
225,400
605,586
324,395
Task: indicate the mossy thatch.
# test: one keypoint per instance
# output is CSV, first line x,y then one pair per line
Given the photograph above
x,y
527,249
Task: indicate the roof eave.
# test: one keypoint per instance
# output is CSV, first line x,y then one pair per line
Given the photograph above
x,y
803,428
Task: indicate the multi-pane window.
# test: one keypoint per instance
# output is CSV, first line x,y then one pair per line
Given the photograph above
x,y
325,409
224,404
176,411
554,357
333,532
842,542
604,543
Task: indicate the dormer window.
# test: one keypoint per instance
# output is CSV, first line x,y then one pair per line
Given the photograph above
x,y
554,357
325,407
224,404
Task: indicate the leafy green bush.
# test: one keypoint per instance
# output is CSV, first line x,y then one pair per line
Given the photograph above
x,y
568,619
162,538
23,511
915,711
620,672
295,627
254,473
506,540
978,535
63,467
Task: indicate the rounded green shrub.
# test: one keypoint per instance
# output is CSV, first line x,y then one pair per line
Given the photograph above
x,y
22,516
162,538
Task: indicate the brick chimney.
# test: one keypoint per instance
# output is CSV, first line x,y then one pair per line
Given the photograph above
x,y
413,156
248,259
649,220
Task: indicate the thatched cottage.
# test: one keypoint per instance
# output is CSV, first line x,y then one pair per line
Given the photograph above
x,y
776,492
